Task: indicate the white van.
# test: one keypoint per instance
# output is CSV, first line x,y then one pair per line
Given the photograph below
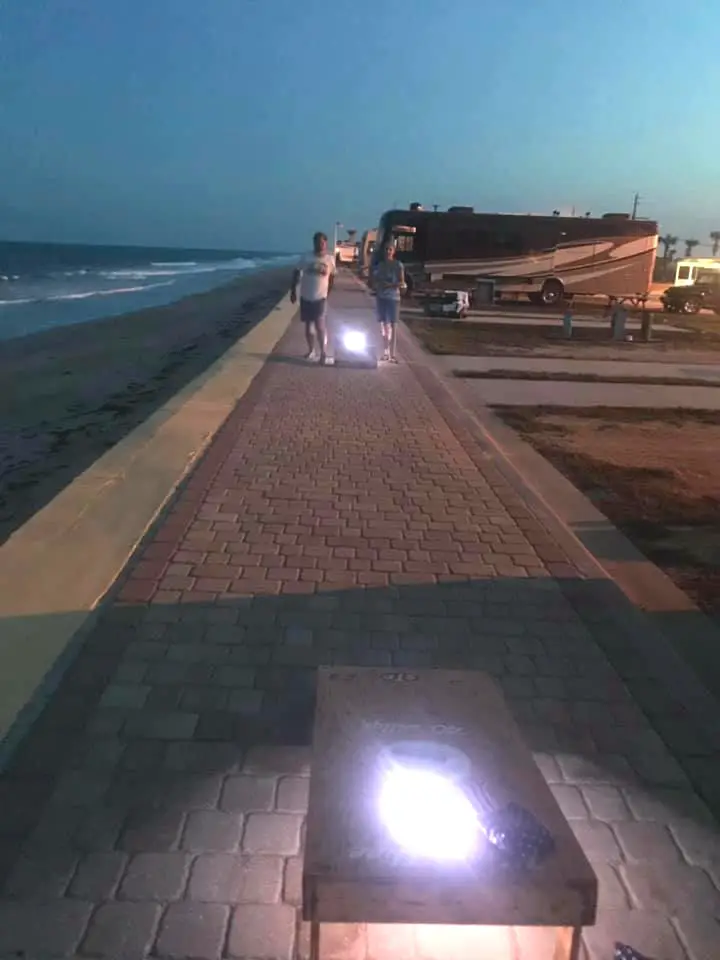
x,y
687,270
346,251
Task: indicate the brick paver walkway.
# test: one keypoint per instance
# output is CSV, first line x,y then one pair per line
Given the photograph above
x,y
156,807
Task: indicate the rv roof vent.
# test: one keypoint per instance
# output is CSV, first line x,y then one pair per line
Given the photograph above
x,y
461,209
416,206
616,216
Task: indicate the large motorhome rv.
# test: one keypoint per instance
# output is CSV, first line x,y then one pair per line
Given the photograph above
x,y
546,258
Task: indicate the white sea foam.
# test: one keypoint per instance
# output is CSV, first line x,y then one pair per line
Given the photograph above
x,y
85,294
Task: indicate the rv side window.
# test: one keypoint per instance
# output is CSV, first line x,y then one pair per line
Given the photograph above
x,y
405,242
683,273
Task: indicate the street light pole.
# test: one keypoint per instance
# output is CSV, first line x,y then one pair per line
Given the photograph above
x,y
636,201
338,225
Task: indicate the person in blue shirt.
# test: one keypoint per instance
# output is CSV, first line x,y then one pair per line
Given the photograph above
x,y
388,284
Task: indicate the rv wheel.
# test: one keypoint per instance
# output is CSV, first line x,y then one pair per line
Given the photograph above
x,y
551,293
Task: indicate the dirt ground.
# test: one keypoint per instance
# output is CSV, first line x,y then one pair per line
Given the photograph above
x,y
482,338
654,473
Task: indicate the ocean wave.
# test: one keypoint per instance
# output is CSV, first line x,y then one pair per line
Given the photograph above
x,y
86,294
15,303
181,270
175,263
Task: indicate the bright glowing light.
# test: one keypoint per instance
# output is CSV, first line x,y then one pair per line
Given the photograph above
x,y
355,341
428,815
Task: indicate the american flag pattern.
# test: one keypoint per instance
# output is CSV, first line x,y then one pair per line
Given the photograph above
x,y
518,835
624,952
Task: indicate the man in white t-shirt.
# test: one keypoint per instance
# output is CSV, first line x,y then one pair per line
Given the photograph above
x,y
315,274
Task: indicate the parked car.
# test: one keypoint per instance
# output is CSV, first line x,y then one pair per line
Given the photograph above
x,y
704,294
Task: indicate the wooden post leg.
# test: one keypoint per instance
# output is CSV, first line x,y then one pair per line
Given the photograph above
x,y
314,940
567,943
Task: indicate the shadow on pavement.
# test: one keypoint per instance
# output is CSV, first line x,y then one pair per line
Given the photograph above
x,y
159,698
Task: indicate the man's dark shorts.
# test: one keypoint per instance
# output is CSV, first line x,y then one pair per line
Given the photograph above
x,y
312,311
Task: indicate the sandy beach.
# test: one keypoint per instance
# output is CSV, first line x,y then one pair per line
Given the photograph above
x,y
69,394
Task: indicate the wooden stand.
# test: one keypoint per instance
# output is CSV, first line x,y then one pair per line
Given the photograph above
x,y
353,871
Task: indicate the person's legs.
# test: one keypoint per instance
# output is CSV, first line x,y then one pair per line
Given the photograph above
x,y
321,327
312,313
307,317
393,343
382,315
392,317
386,334
310,337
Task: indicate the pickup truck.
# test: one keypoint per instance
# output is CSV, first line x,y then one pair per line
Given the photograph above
x,y
704,294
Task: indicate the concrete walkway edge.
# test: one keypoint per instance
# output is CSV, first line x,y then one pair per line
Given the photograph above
x,y
55,570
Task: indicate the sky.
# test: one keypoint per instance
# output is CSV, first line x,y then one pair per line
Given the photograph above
x,y
249,124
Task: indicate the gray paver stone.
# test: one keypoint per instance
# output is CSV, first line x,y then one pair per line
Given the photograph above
x,y
570,801
161,725
42,876
597,840
292,881
212,831
35,929
246,794
154,831
122,931
231,878
292,794
125,696
155,876
606,803
195,930
262,932
680,889
646,840
272,833
98,875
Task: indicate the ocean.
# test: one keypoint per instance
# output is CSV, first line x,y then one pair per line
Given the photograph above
x,y
45,285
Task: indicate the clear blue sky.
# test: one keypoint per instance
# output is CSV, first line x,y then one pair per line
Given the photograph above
x,y
250,123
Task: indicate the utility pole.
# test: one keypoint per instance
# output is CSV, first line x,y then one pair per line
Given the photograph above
x,y
337,227
636,201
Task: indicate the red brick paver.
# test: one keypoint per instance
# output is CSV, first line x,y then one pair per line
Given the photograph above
x,y
156,807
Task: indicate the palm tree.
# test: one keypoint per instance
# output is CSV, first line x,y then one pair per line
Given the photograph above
x,y
667,241
690,246
715,237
